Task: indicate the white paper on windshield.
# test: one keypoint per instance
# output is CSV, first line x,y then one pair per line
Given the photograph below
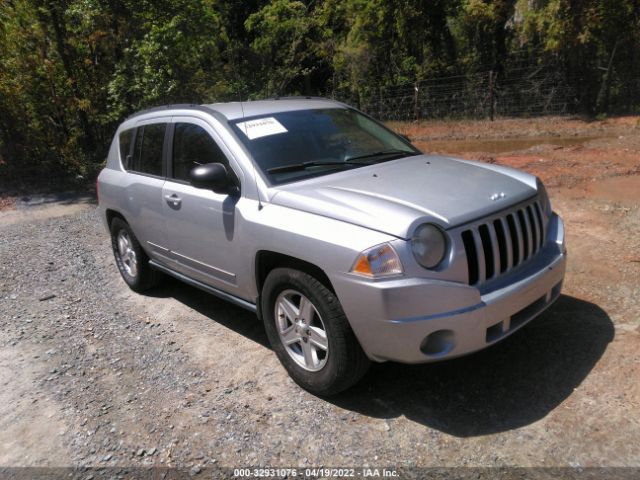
x,y
261,127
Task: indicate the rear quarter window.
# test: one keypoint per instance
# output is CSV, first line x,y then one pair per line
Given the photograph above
x,y
125,147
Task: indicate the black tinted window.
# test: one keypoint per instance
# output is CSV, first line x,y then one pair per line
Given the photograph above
x,y
148,149
192,146
125,146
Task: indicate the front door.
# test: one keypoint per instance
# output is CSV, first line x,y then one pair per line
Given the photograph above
x,y
200,224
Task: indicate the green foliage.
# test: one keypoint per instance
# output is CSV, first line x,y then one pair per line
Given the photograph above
x,y
70,70
177,59
282,34
595,39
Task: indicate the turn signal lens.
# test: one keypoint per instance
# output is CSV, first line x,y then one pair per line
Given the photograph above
x,y
378,261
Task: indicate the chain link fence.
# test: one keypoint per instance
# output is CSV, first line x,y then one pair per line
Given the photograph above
x,y
517,91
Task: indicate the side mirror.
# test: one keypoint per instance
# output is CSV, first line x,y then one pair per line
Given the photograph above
x,y
212,176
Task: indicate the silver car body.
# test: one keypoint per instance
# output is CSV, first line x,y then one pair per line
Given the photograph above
x,y
214,241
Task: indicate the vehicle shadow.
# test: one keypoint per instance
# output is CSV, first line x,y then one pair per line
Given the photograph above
x,y
226,314
512,384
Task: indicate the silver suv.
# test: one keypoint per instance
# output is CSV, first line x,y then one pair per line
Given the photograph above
x,y
350,244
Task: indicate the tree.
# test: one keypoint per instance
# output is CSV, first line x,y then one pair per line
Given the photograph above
x,y
588,36
70,70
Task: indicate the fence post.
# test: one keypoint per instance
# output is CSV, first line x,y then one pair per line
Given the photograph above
x,y
416,101
491,95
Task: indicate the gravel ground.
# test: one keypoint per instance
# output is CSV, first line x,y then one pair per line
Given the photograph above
x,y
92,374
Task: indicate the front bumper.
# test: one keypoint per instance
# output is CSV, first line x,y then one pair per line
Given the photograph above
x,y
417,320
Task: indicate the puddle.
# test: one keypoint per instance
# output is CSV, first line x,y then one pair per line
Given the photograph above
x,y
498,145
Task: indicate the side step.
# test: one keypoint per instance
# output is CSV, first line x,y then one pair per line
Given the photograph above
x,y
203,286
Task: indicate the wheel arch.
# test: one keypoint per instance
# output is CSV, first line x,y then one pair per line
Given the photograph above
x,y
111,214
267,260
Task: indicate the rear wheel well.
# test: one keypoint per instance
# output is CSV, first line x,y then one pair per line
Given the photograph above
x,y
267,260
111,214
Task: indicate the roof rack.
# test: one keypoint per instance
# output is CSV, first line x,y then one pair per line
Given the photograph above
x,y
184,106
211,111
300,97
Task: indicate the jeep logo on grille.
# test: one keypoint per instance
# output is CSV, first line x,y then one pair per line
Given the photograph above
x,y
497,196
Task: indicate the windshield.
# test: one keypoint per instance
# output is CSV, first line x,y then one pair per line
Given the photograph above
x,y
290,146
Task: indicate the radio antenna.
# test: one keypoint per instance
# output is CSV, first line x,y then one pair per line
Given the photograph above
x,y
255,172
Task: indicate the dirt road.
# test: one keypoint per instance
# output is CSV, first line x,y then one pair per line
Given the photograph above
x,y
93,374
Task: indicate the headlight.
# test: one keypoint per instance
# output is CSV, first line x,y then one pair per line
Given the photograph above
x,y
379,261
544,198
429,245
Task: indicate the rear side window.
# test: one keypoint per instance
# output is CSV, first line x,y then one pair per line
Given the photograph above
x,y
147,153
193,146
125,147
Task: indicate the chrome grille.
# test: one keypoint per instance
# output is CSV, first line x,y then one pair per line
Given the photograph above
x,y
495,246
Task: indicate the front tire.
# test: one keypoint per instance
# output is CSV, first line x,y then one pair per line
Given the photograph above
x,y
131,260
310,334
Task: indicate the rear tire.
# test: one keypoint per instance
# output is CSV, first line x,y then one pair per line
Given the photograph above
x,y
310,333
132,261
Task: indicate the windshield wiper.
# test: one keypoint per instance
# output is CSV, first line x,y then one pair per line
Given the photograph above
x,y
303,166
346,163
382,153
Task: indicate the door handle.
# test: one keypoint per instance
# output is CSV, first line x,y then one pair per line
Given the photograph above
x,y
173,199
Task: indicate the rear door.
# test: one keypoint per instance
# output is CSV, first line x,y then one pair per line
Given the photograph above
x,y
201,226
146,169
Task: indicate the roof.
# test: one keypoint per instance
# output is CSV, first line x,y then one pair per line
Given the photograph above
x,y
236,110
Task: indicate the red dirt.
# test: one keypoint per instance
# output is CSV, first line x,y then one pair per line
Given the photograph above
x,y
593,182
6,203
583,151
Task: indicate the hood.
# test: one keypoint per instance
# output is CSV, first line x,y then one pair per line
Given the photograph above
x,y
396,196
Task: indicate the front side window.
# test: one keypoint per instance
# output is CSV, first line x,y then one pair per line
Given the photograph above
x,y
193,146
289,146
147,153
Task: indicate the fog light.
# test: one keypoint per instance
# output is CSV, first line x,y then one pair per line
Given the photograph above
x,y
438,343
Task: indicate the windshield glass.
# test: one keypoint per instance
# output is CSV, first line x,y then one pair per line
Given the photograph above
x,y
317,142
